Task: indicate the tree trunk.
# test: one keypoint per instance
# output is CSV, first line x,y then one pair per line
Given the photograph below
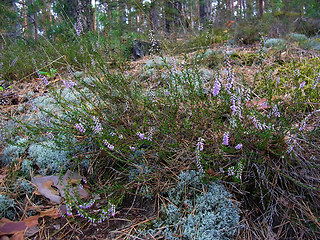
x,y
154,16
168,16
261,8
204,11
25,19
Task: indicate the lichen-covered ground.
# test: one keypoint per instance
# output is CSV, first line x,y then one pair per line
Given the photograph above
x,y
174,205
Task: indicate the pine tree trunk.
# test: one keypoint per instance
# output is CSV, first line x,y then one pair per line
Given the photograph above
x,y
261,7
25,19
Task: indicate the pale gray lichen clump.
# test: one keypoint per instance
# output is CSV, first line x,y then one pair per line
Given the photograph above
x,y
8,207
48,158
12,152
194,214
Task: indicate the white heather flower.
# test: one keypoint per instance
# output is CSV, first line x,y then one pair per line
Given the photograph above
x,y
98,127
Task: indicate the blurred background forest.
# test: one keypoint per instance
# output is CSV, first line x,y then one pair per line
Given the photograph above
x,y
53,20
30,25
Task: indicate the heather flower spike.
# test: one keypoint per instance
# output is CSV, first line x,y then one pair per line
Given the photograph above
x,y
225,139
316,81
238,147
216,88
80,127
198,156
98,127
108,145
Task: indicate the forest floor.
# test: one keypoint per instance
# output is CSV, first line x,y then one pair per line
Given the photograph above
x,y
134,211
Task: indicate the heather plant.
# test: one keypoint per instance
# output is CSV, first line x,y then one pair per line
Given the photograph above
x,y
177,115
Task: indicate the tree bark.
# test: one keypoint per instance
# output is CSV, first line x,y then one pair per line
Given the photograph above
x,y
261,8
154,16
25,19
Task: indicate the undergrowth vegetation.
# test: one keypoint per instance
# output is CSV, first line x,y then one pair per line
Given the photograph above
x,y
132,135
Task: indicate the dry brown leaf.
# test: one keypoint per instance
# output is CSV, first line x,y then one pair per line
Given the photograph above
x,y
4,238
17,236
45,184
31,221
8,227
52,212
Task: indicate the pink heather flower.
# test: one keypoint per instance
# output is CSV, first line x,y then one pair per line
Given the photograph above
x,y
216,88
13,62
141,135
200,144
50,135
68,84
78,27
98,127
316,81
238,147
132,148
226,139
45,81
69,210
275,111
88,204
108,145
303,125
80,127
